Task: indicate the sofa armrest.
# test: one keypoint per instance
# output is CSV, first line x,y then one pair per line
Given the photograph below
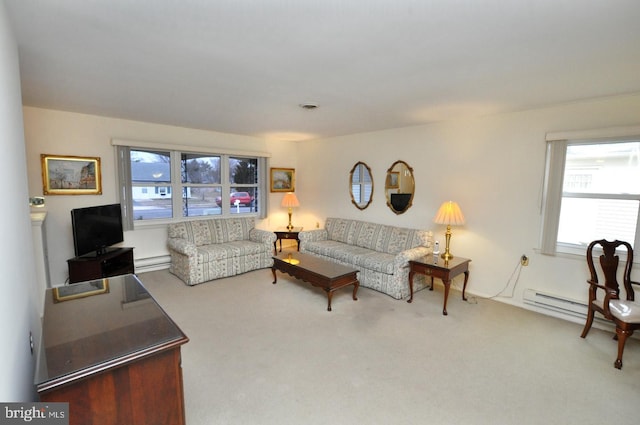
x,y
262,236
182,246
402,258
314,235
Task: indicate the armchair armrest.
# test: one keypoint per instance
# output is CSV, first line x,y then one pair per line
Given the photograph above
x,y
262,236
182,246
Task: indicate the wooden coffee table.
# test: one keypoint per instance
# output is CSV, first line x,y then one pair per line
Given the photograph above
x,y
316,271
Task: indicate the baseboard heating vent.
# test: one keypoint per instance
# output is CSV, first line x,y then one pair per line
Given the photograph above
x,y
150,264
556,303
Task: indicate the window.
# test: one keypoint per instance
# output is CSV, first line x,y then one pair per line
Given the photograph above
x,y
592,192
160,184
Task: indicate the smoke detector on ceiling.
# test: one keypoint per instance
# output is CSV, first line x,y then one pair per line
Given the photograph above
x,y
309,106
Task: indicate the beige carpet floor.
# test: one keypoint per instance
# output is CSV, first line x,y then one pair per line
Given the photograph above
x,y
272,354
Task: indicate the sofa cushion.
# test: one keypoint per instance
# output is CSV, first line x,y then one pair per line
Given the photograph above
x,y
216,252
341,230
378,237
355,255
367,235
212,231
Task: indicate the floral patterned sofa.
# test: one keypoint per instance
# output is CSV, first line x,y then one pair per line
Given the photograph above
x,y
203,250
381,253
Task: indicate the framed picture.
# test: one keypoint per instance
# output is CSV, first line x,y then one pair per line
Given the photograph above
x,y
70,175
283,180
392,179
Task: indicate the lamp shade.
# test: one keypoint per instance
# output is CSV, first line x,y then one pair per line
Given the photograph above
x,y
290,200
449,214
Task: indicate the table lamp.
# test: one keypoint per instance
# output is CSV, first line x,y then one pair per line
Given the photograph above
x,y
290,201
449,214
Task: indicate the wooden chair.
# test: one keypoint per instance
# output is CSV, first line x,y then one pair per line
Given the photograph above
x,y
625,313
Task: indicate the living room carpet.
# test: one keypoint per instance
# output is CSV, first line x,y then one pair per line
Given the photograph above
x,y
272,354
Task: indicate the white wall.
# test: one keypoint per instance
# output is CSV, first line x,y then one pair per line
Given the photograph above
x,y
18,303
493,167
65,133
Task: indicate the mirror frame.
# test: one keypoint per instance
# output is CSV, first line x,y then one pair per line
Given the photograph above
x,y
353,200
391,184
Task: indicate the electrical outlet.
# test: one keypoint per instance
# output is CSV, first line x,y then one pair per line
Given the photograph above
x,y
524,260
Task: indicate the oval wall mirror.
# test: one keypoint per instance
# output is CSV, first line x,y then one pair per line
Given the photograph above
x,y
361,185
399,187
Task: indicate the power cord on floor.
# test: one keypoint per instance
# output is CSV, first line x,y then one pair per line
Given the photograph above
x,y
516,273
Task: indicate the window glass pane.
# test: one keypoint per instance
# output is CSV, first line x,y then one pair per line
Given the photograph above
x,y
355,190
200,168
150,166
583,220
151,202
199,201
243,170
241,200
603,168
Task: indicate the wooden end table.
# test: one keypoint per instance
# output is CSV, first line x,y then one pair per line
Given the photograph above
x,y
446,271
286,234
317,271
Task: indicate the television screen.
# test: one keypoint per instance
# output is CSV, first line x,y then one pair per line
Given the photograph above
x,y
96,228
399,201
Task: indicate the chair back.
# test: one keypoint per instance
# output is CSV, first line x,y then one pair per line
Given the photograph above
x,y
609,263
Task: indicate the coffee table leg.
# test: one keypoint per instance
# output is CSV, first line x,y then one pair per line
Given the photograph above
x,y
356,285
329,296
273,270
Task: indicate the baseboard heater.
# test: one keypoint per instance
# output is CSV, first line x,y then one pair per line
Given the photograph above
x,y
556,303
150,264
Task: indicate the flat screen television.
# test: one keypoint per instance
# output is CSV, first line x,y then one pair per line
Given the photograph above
x,y
399,201
95,229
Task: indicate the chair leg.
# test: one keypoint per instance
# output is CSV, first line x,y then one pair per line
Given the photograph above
x,y
587,326
622,339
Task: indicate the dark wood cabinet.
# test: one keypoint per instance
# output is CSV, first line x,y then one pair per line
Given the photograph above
x,y
114,263
113,356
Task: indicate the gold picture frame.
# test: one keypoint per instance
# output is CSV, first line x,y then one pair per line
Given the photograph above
x,y
283,180
393,180
71,175
80,290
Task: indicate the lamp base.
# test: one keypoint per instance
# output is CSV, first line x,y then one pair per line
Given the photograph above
x,y
290,226
446,256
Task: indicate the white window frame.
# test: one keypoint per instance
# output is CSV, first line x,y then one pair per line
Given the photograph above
x,y
123,148
553,183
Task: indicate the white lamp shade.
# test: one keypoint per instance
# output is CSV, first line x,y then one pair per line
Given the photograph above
x,y
450,214
290,200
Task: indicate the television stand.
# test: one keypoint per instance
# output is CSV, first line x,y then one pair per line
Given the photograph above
x,y
115,262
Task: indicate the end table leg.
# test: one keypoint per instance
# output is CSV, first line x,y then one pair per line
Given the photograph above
x,y
464,286
447,284
275,279
411,273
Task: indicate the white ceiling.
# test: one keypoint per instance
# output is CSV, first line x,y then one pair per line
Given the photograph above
x,y
244,66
